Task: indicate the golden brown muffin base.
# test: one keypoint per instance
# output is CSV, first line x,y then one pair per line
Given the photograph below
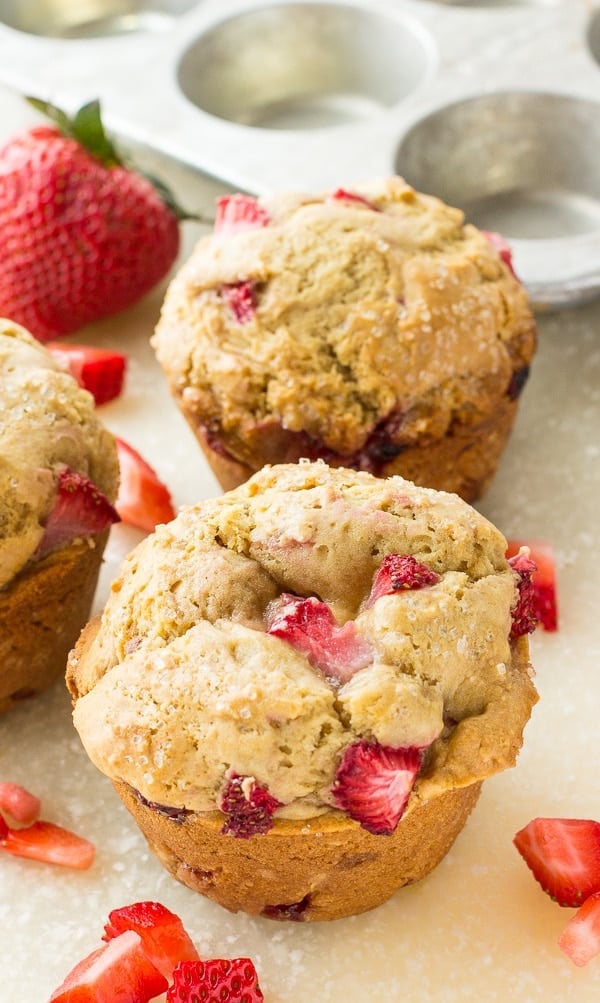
x,y
322,868
41,614
463,461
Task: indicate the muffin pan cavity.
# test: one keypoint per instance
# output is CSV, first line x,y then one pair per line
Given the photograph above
x,y
90,18
492,105
520,163
304,66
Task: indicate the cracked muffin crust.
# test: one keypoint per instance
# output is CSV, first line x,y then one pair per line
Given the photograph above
x,y
319,659
58,477
371,328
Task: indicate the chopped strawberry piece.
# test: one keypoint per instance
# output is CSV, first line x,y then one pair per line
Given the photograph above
x,y
80,509
373,784
3,829
563,855
580,939
343,195
249,808
236,213
99,370
398,572
310,626
143,500
241,299
230,981
18,803
502,247
543,580
523,614
164,939
50,844
117,972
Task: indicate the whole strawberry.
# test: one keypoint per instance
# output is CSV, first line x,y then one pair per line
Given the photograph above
x,y
82,235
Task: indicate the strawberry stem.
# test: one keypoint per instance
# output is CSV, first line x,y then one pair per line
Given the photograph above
x,y
87,129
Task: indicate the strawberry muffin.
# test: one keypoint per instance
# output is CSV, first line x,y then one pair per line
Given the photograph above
x,y
297,740
58,479
371,328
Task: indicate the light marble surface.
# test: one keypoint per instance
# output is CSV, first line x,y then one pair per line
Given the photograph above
x,y
479,928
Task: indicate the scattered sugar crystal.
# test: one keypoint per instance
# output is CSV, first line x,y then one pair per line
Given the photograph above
x,y
461,644
501,669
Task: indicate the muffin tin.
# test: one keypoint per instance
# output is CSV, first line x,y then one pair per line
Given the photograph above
x,y
494,105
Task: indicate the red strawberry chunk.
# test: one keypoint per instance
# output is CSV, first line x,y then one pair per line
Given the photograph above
x,y
523,613
143,500
373,784
249,808
215,981
164,938
310,626
50,844
398,572
117,972
563,855
99,370
343,195
502,247
80,509
580,939
241,299
543,593
236,213
18,803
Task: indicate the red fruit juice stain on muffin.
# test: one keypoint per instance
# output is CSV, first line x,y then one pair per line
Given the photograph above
x,y
293,911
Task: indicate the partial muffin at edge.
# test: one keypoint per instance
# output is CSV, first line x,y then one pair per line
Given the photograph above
x,y
49,432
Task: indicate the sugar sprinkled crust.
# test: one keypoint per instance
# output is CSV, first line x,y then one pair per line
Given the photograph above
x,y
391,319
181,683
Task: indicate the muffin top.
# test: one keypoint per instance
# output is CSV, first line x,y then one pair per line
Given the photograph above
x,y
48,425
308,618
332,315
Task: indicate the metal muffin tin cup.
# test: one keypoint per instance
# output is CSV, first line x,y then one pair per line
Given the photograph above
x,y
493,105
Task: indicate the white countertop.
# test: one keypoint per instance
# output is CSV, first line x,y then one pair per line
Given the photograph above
x,y
479,928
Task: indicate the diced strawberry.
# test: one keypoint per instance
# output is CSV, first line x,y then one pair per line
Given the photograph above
x,y
241,300
503,248
50,844
143,500
80,509
99,370
373,784
117,972
398,572
230,981
249,808
580,939
524,618
343,195
563,855
543,579
310,626
18,803
164,939
236,213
